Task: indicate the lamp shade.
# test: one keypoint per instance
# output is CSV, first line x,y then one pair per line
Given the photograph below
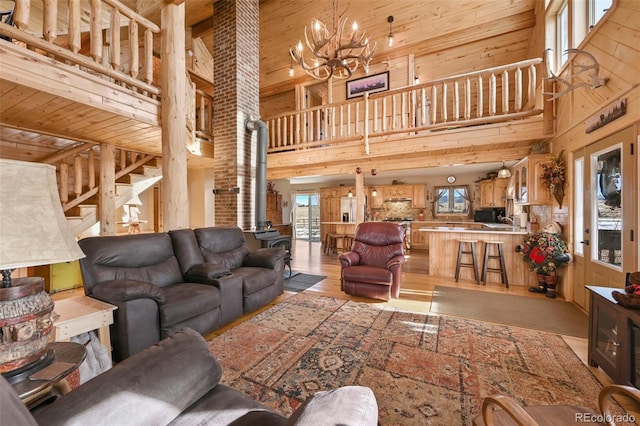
x,y
33,228
504,173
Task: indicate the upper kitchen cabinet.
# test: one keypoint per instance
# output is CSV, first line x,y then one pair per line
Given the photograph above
x,y
528,189
397,191
419,196
493,192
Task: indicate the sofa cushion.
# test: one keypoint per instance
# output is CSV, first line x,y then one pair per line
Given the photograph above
x,y
141,257
368,274
150,388
226,406
12,409
223,245
348,405
187,300
255,279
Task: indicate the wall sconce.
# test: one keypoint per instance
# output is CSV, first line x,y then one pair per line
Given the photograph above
x,y
390,36
374,193
358,170
350,194
374,172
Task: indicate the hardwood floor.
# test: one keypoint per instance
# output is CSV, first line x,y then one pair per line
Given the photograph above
x,y
415,295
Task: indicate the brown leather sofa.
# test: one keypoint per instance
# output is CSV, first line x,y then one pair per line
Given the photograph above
x,y
373,267
177,382
163,282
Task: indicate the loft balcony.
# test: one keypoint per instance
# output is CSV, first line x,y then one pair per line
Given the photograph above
x,y
454,120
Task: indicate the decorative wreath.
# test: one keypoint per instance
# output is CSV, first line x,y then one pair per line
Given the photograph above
x,y
544,250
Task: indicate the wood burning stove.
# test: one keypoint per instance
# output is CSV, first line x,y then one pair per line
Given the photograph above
x,y
270,238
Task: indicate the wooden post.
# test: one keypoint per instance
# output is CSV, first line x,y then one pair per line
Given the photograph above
x,y
360,197
107,192
175,205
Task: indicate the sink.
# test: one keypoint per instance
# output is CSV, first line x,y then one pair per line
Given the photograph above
x,y
498,226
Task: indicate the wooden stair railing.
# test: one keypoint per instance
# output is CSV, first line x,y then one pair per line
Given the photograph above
x,y
80,161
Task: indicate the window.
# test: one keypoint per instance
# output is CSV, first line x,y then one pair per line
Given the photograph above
x,y
452,200
562,35
597,9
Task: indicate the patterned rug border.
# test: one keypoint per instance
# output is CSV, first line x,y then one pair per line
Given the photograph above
x,y
424,367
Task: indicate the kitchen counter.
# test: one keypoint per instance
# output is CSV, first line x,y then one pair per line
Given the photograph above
x,y
443,252
508,229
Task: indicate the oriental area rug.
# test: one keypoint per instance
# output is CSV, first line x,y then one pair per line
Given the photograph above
x,y
423,368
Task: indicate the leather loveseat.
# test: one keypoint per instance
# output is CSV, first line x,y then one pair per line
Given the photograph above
x,y
177,382
162,282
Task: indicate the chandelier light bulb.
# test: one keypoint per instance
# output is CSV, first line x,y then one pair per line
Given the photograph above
x,y
299,47
355,26
291,72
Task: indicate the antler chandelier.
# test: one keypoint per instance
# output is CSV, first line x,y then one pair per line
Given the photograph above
x,y
334,53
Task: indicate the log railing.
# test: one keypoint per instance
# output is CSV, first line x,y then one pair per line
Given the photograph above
x,y
204,115
487,96
77,171
107,54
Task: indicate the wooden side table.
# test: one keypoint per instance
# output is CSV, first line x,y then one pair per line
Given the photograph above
x,y
82,314
36,382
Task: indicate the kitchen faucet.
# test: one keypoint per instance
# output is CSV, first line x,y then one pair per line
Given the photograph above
x,y
507,219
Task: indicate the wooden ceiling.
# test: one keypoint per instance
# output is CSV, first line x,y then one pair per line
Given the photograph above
x,y
497,31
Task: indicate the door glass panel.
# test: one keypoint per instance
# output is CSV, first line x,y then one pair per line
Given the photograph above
x,y
578,217
307,217
607,207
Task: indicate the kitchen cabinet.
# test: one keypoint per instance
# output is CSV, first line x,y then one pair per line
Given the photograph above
x,y
419,239
397,191
274,208
493,192
419,196
614,337
526,174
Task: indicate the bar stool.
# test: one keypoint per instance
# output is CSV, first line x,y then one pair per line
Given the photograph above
x,y
331,243
348,241
474,259
488,256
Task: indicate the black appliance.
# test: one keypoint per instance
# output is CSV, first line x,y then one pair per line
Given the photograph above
x,y
488,215
270,238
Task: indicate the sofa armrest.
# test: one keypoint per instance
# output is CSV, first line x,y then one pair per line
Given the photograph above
x,y
150,388
348,405
267,257
124,290
395,261
349,258
206,272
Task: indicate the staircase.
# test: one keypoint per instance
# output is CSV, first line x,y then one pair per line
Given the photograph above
x,y
76,169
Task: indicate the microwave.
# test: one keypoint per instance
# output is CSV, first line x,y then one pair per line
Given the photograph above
x,y
487,215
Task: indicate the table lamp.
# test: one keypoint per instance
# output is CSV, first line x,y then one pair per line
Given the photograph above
x,y
33,231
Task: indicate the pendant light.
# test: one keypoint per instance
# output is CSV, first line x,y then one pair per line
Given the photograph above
x,y
504,173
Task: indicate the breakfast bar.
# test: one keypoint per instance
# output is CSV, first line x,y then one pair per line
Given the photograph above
x,y
443,252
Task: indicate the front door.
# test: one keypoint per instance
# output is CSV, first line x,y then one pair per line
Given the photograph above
x,y
609,244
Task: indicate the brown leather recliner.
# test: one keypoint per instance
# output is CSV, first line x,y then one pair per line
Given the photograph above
x,y
373,267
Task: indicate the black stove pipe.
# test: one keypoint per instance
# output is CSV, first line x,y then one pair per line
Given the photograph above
x,y
261,169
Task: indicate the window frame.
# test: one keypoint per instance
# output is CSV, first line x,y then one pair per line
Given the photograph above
x,y
451,190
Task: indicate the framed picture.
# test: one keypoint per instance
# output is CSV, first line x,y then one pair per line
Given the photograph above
x,y
370,84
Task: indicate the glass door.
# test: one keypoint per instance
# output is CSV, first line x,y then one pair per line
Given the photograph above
x,y
610,247
306,213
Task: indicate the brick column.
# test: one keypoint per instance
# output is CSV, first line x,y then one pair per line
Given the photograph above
x,y
236,98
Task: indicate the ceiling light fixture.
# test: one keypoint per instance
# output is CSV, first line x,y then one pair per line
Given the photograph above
x,y
390,36
504,173
374,193
334,53
291,71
